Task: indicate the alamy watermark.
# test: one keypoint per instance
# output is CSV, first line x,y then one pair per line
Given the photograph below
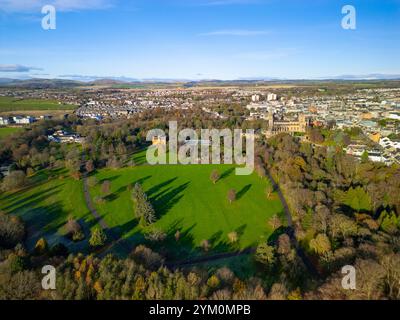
x,y
49,280
185,147
49,21
349,280
349,21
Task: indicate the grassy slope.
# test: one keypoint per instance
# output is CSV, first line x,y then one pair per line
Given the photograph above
x,y
11,104
4,132
184,197
186,200
45,207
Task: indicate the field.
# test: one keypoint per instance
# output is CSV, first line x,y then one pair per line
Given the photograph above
x,y
45,206
186,200
4,132
12,104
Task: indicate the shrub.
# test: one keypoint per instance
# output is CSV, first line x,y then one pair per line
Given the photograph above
x,y
106,187
213,282
72,227
16,263
215,176
205,244
12,230
15,180
155,235
146,257
41,247
233,237
98,238
76,175
99,200
92,181
231,195
78,236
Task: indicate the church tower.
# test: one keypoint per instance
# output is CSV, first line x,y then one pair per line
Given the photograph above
x,y
270,121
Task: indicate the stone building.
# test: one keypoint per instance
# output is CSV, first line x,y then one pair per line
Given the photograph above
x,y
287,126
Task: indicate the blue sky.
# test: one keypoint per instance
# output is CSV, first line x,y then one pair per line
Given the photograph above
x,y
199,39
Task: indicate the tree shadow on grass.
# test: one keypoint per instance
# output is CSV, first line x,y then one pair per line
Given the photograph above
x,y
114,196
273,238
141,180
153,190
240,230
227,173
165,201
219,244
139,158
19,202
111,197
174,248
242,192
121,230
44,221
113,178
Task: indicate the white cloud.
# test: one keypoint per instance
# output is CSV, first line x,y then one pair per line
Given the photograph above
x,y
237,32
16,68
62,5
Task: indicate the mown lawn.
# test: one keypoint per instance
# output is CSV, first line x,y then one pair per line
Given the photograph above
x,y
185,199
46,205
13,104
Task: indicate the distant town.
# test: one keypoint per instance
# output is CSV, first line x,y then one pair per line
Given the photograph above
x,y
376,112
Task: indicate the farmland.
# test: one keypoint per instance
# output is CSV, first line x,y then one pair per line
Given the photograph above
x,y
13,104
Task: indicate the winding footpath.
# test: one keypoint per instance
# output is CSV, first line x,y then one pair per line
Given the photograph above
x,y
127,249
90,205
116,239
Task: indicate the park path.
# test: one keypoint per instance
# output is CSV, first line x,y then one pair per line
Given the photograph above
x,y
89,204
116,239
124,245
127,248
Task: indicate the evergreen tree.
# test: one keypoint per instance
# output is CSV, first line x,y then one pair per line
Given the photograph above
x,y
98,238
144,210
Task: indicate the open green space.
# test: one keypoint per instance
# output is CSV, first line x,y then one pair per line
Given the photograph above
x,y
45,206
186,200
7,131
14,104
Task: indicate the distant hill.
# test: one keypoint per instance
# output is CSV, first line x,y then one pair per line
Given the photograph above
x,y
6,81
106,82
376,79
41,83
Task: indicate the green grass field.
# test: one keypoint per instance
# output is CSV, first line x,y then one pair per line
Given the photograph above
x,y
186,200
45,206
5,132
12,104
